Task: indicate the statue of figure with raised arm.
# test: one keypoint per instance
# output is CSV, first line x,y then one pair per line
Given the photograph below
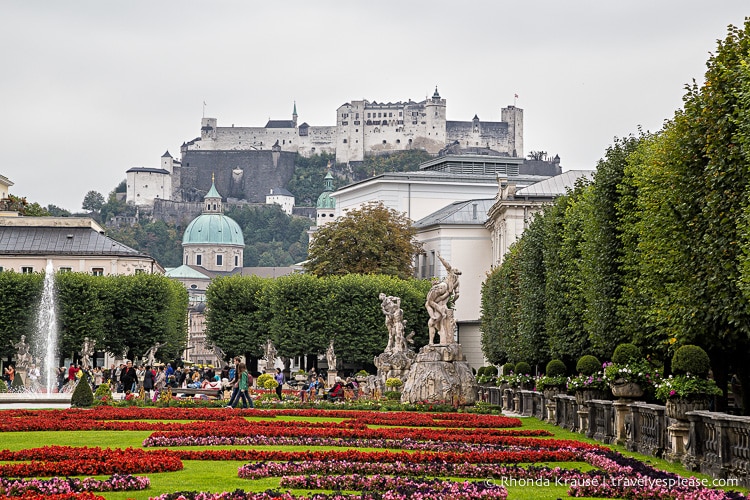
x,y
86,352
151,354
441,318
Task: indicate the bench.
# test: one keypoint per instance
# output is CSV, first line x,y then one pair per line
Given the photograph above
x,y
217,393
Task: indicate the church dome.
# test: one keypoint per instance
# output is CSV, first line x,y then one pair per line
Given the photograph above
x,y
325,200
213,228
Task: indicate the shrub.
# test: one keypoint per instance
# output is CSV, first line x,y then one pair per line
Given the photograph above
x,y
394,383
490,370
508,367
270,384
392,395
555,368
3,386
626,353
588,365
691,359
522,368
480,371
103,392
262,379
362,373
82,396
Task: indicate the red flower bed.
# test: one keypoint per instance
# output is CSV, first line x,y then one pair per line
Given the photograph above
x,y
108,418
69,461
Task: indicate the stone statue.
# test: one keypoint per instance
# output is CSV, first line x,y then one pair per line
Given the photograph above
x,y
394,317
270,355
440,372
151,354
331,356
23,354
219,353
441,316
86,352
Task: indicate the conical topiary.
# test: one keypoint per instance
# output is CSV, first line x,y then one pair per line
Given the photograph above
x,y
82,396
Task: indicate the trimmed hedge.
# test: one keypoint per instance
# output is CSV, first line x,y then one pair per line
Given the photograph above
x,y
691,359
588,365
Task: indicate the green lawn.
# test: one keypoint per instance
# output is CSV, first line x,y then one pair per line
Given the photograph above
x,y
218,476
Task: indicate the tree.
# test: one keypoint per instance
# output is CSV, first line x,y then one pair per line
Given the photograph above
x,y
373,239
565,285
93,201
56,211
22,206
602,267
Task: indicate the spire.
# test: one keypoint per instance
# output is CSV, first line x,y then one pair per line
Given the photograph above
x,y
436,95
294,114
212,200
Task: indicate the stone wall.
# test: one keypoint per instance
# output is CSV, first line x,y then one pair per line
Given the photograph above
x,y
244,175
717,444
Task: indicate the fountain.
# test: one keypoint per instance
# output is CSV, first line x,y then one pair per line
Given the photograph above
x,y
43,349
45,341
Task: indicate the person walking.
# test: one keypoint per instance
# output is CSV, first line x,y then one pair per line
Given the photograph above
x,y
243,383
234,383
279,377
160,382
148,381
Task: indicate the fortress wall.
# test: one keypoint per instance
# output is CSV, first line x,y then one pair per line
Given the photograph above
x,y
260,172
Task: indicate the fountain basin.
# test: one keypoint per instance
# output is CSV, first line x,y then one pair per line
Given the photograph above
x,y
13,400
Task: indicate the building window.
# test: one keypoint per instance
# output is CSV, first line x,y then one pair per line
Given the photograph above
x,y
193,286
198,260
219,260
27,270
65,269
97,271
186,260
384,141
236,261
139,271
344,141
1,269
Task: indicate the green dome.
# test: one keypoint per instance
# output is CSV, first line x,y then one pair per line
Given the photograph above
x,y
213,228
325,200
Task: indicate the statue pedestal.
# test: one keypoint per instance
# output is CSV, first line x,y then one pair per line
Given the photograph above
x,y
393,365
332,374
440,373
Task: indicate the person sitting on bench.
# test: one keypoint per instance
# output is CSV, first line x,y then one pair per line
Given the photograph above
x,y
336,393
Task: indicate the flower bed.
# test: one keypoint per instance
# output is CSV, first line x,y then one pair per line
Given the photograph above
x,y
118,482
458,445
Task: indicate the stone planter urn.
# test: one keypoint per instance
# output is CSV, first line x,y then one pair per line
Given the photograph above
x,y
300,377
584,395
553,391
622,389
676,408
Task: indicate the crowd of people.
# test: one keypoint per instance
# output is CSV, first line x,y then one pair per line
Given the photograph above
x,y
127,380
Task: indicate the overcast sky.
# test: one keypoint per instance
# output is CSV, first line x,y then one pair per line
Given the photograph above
x,y
92,88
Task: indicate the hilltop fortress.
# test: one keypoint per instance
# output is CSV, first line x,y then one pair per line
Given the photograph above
x,y
250,161
369,128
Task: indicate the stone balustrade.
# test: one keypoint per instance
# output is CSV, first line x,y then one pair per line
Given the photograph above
x,y
717,444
